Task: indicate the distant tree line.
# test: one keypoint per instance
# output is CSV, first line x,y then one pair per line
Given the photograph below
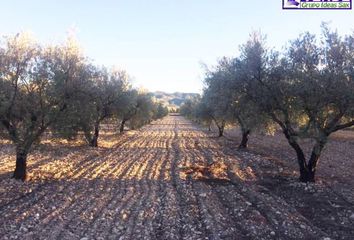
x,y
307,91
57,89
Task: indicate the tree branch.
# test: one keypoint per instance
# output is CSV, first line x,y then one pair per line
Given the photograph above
x,y
342,126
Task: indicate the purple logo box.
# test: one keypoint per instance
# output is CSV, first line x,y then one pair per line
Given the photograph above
x,y
317,4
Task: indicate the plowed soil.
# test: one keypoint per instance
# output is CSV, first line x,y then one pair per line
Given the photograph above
x,y
168,180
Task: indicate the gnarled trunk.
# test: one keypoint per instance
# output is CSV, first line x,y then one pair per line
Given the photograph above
x,y
20,172
209,125
309,174
244,141
221,131
122,124
94,140
299,154
307,170
221,128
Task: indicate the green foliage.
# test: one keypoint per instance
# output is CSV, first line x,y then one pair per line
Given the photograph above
x,y
161,111
144,111
36,86
56,88
96,99
308,91
189,108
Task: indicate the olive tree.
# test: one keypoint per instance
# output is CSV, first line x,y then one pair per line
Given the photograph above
x,y
79,114
160,111
144,111
203,113
108,89
101,91
138,108
189,108
127,107
227,101
217,97
36,83
243,112
308,92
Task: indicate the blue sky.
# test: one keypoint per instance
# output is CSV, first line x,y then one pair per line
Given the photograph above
x,y
162,43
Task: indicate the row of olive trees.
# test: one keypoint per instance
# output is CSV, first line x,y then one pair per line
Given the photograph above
x,y
307,91
57,89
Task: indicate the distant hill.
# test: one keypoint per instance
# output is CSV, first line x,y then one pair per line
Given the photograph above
x,y
173,100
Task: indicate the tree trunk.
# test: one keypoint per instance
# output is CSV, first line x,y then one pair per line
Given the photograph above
x,y
121,128
309,174
221,131
304,173
21,164
94,140
307,170
209,125
221,127
244,141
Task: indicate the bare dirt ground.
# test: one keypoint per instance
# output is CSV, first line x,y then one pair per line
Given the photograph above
x,y
336,166
169,180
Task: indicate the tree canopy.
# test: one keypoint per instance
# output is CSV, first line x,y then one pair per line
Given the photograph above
x,y
307,90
